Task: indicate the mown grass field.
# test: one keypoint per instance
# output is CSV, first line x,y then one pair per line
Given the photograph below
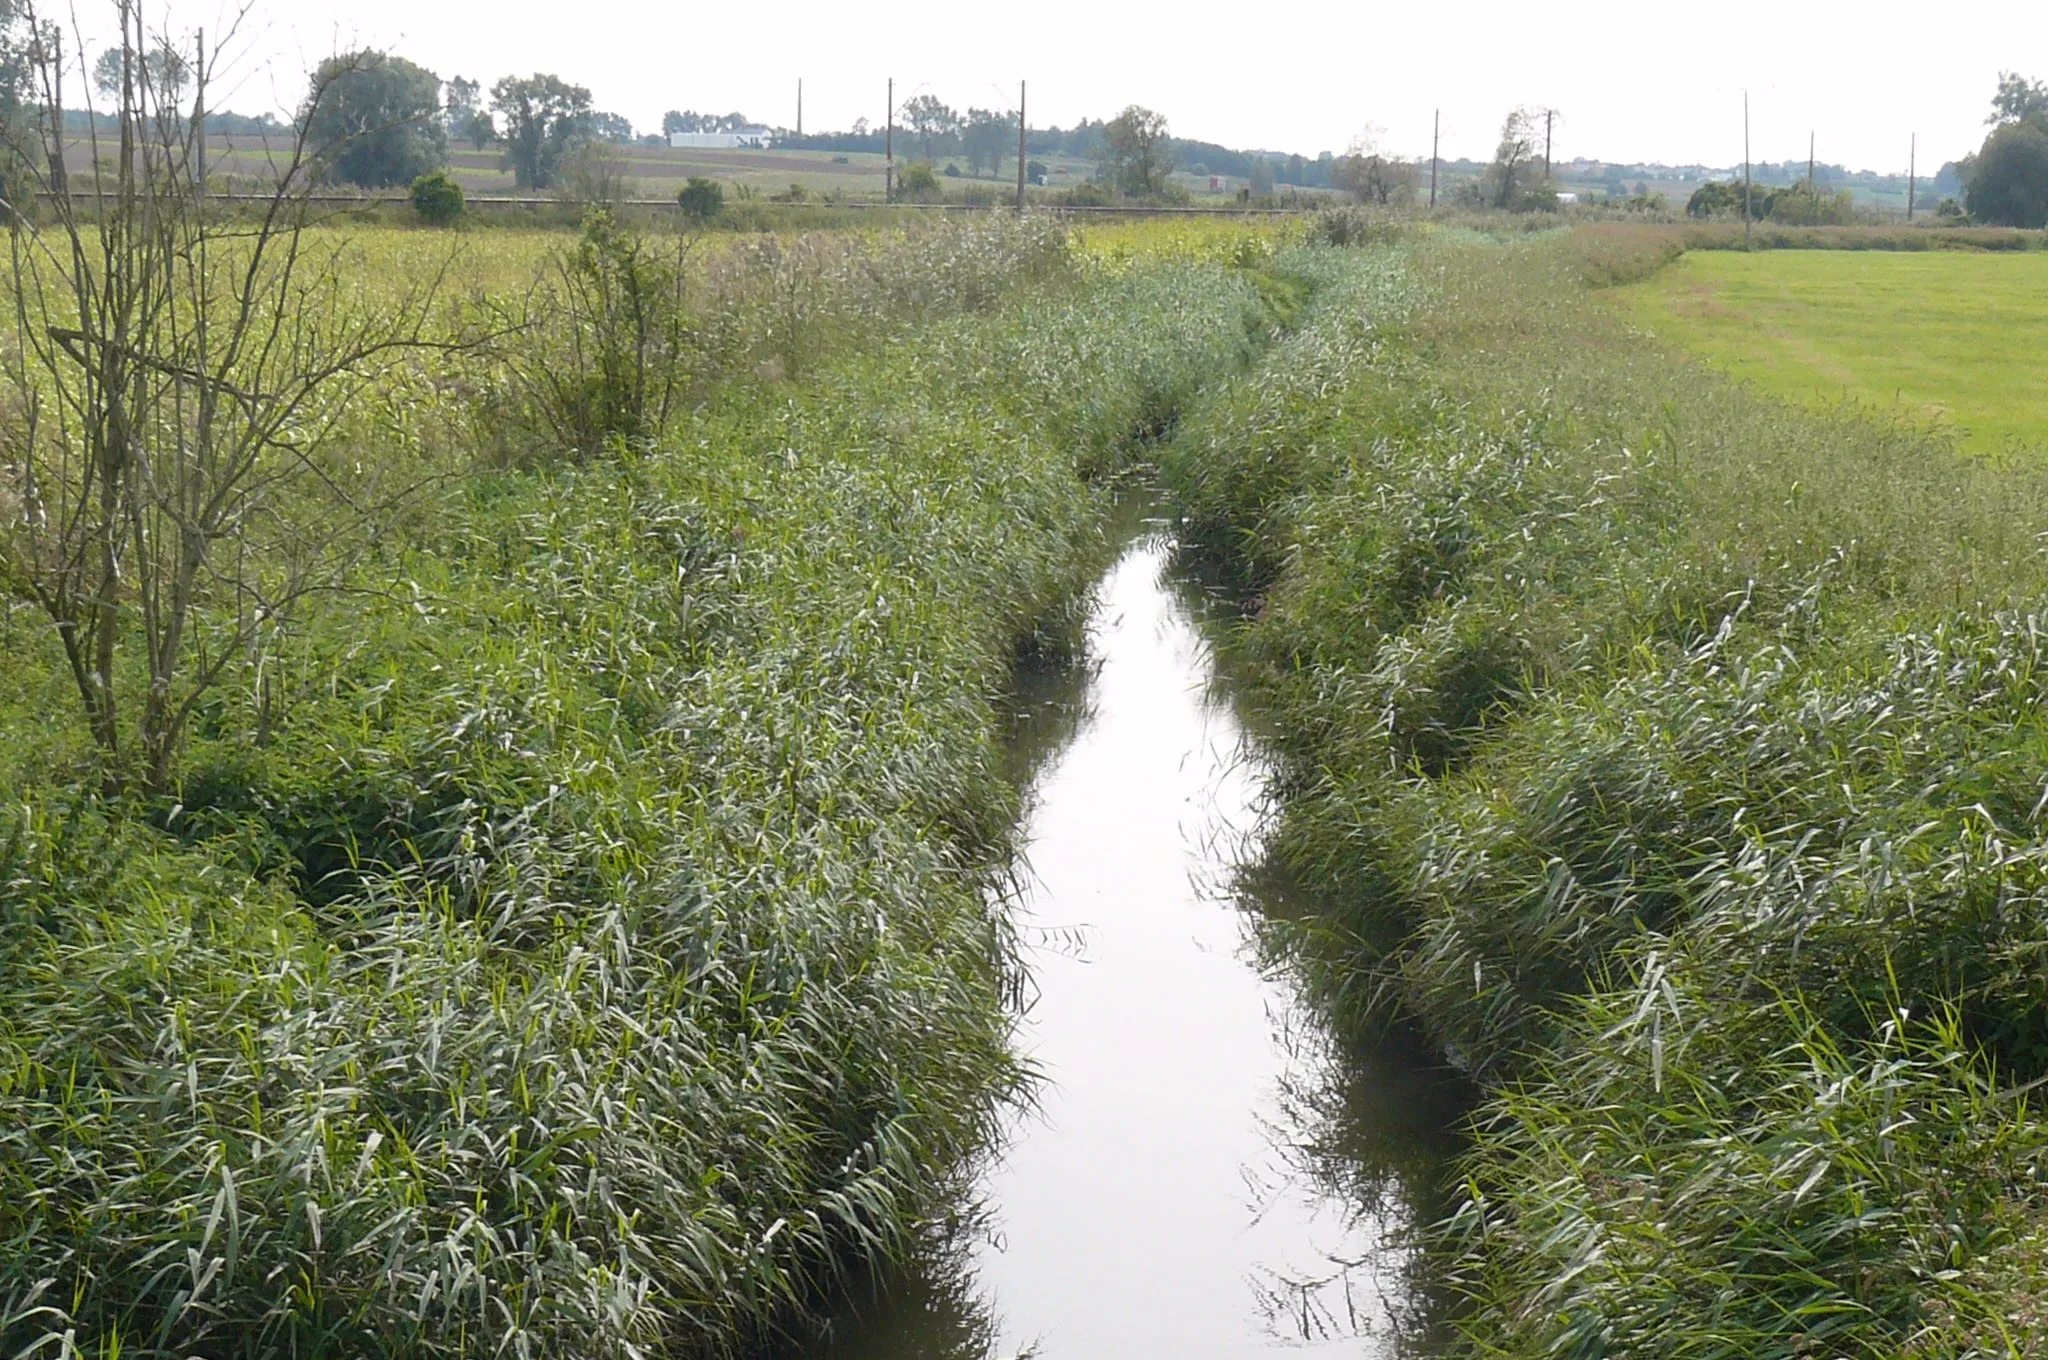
x,y
1949,338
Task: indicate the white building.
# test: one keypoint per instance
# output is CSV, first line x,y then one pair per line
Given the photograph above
x,y
746,139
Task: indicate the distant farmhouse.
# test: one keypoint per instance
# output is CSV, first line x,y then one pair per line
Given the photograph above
x,y
755,138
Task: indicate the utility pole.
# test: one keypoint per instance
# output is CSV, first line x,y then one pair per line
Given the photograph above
x,y
889,146
1912,176
1436,142
1548,116
1021,145
799,106
1748,192
1811,183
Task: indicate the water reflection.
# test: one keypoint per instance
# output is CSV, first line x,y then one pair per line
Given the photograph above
x,y
1211,1174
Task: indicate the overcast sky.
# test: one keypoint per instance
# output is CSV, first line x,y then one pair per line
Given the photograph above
x,y
1633,82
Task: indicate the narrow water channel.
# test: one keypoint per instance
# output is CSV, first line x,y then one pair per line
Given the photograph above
x,y
1207,1175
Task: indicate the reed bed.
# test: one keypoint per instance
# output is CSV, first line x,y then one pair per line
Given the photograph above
x,y
1672,758
582,933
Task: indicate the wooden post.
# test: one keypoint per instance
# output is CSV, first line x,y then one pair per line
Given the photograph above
x,y
1436,141
889,147
1022,145
1748,191
1912,176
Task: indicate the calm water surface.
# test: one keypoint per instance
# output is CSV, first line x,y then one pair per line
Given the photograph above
x,y
1207,1175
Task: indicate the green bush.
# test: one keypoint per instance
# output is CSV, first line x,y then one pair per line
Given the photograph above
x,y
605,351
1086,194
917,183
438,199
702,200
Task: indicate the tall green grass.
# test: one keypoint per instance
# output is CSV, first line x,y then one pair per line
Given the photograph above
x,y
1672,757
586,938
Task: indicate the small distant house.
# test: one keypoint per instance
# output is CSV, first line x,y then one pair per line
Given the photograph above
x,y
745,139
1565,200
1215,184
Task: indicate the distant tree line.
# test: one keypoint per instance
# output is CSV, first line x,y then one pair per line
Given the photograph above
x,y
929,129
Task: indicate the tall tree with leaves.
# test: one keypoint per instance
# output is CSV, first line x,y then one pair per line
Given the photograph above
x,y
164,68
1508,176
1137,152
2006,182
375,120
988,137
931,120
1370,175
542,118
2018,99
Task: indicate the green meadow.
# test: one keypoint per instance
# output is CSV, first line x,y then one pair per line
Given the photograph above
x,y
1948,337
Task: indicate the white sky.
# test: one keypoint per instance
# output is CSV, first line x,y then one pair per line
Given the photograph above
x,y
1641,81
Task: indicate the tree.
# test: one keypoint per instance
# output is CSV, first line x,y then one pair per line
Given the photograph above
x,y
177,380
2007,181
689,120
165,69
2018,99
611,127
461,100
1137,152
988,137
541,118
930,120
374,120
1261,177
1505,178
1718,199
594,174
464,113
1369,175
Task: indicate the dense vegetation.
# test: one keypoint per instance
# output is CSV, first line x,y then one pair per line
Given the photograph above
x,y
574,931
1672,758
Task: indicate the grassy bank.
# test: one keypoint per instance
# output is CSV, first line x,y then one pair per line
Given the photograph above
x,y
576,933
1671,757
